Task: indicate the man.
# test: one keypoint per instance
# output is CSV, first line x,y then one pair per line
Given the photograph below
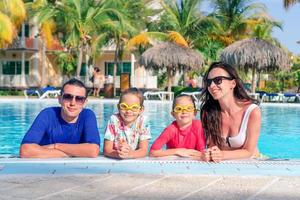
x,y
66,131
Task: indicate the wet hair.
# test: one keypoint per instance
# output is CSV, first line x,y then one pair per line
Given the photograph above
x,y
183,95
210,108
133,91
75,82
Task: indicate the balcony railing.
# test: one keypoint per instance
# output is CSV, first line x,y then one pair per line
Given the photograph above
x,y
15,81
24,44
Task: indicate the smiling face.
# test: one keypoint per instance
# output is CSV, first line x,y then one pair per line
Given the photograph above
x,y
186,116
72,101
129,113
219,83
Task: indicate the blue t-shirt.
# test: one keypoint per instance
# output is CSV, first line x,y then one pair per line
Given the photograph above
x,y
50,128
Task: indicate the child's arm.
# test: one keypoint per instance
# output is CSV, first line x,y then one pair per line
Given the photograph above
x,y
109,151
160,152
141,151
182,152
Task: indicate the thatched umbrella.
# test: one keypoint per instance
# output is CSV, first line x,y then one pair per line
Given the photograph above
x,y
256,54
172,57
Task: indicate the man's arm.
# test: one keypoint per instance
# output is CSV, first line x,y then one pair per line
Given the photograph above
x,y
37,151
78,150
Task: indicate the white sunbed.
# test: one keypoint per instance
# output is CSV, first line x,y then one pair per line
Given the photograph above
x,y
50,93
195,95
162,95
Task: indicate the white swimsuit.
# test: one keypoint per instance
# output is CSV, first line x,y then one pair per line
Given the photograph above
x,y
239,140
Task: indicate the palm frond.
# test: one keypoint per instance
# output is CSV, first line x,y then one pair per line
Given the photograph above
x,y
47,28
6,30
177,38
289,3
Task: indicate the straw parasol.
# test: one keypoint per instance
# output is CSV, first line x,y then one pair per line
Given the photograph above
x,y
172,57
255,54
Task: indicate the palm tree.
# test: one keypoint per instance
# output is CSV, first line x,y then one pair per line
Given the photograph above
x,y
12,15
181,16
81,21
262,28
120,32
234,18
178,22
288,3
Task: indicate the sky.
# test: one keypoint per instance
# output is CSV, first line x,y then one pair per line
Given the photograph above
x,y
291,23
290,19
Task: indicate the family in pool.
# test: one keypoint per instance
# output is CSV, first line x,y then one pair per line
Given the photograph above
x,y
229,127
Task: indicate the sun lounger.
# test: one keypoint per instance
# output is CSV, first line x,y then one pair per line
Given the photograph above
x,y
291,97
195,95
273,97
161,95
255,96
50,93
41,92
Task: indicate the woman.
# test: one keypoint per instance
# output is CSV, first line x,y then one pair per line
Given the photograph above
x,y
98,79
231,119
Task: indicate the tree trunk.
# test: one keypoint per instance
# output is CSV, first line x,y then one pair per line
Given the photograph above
x,y
79,61
253,80
258,80
23,77
170,80
115,70
43,82
87,58
186,77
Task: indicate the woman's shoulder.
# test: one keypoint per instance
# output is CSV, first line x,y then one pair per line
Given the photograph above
x,y
252,110
249,105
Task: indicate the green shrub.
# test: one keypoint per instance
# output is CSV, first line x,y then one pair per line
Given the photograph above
x,y
10,93
179,89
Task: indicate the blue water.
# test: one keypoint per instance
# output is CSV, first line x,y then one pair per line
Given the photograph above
x,y
280,134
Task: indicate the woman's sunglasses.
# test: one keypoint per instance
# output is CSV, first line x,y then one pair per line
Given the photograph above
x,y
180,109
69,97
217,80
133,107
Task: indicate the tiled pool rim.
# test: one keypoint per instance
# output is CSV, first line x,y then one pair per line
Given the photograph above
x,y
171,165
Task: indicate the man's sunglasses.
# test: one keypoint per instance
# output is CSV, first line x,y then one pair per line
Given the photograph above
x,y
69,97
217,80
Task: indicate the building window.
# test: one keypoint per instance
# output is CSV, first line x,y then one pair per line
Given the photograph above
x,y
26,31
124,67
83,69
14,68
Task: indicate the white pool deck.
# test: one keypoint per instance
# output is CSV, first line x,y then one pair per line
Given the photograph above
x,y
148,178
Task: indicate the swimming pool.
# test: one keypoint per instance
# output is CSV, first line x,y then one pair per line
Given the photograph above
x,y
280,134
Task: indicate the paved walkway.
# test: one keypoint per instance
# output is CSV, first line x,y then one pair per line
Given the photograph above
x,y
145,186
148,178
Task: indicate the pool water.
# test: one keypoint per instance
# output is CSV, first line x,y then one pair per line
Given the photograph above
x,y
280,133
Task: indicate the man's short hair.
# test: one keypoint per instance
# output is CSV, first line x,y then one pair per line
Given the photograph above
x,y
75,82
